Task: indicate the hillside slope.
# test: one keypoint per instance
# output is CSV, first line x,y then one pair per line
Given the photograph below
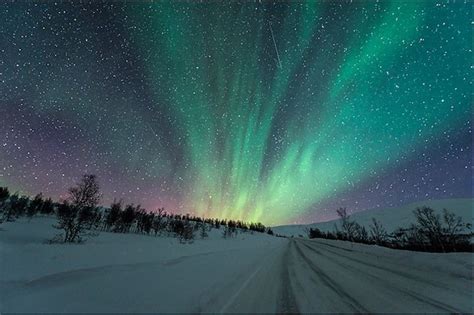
x,y
391,218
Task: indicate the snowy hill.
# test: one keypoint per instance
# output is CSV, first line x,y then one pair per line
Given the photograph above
x,y
391,218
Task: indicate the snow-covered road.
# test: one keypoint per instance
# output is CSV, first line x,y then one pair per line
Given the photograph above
x,y
331,278
325,277
249,274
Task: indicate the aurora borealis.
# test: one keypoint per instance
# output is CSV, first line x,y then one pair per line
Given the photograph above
x,y
271,112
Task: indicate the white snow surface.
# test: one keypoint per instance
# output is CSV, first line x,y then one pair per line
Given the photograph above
x,y
391,218
251,273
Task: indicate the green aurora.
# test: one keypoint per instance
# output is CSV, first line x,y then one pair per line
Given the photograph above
x,y
354,76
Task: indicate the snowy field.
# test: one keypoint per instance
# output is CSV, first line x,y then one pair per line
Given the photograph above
x,y
250,273
391,218
123,272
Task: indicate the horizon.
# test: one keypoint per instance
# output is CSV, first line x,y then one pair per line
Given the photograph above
x,y
334,218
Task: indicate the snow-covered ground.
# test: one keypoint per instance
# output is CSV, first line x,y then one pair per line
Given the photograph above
x,y
391,218
250,273
123,272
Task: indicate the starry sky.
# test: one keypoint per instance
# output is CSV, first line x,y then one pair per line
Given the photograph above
x,y
260,111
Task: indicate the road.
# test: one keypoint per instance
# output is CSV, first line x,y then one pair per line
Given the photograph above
x,y
321,276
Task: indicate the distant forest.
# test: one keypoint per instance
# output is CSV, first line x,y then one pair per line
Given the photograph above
x,y
79,216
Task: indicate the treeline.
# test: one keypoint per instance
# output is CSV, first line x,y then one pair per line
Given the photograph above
x,y
430,233
121,218
79,216
14,206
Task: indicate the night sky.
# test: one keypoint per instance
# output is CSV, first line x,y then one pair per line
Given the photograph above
x,y
278,113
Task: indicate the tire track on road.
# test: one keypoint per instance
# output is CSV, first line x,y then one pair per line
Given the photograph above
x,y
399,273
331,284
287,301
419,297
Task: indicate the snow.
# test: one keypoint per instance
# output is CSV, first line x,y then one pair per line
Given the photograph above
x,y
391,218
364,278
121,272
251,273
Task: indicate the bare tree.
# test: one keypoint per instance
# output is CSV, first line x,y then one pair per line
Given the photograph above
x,y
78,214
4,195
454,230
429,225
159,221
113,215
361,234
349,228
378,234
35,206
15,207
48,206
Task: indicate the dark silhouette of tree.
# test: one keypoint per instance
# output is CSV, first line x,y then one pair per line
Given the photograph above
x,y
15,207
9,208
113,215
348,226
330,236
315,233
66,217
127,218
361,234
187,234
159,221
435,234
430,232
454,231
35,206
429,226
257,227
202,230
4,195
48,207
144,221
79,213
377,232
182,229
